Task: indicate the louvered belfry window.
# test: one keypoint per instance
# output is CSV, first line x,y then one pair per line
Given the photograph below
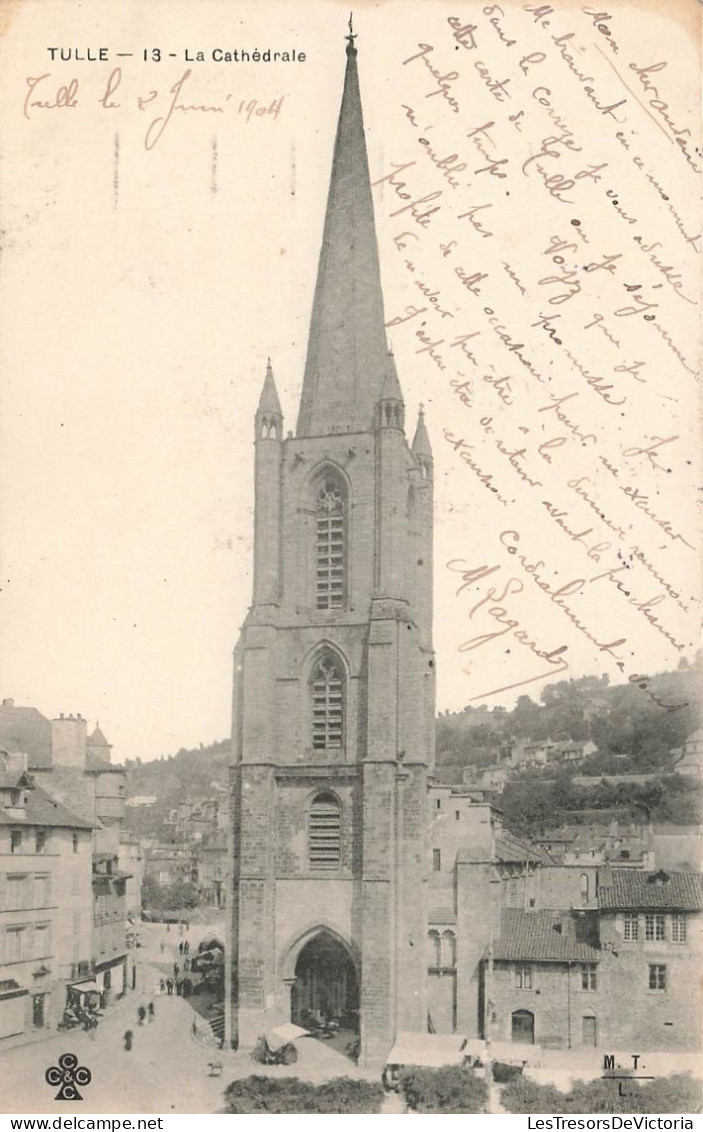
x,y
327,705
324,834
330,545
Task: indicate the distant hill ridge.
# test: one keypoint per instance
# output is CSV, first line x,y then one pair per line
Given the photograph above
x,y
634,727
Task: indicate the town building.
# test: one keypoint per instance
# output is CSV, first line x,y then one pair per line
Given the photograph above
x,y
75,772
138,800
526,949
46,930
130,861
167,865
212,856
688,760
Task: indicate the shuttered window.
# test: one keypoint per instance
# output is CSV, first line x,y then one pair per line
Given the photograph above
x,y
324,834
327,705
330,550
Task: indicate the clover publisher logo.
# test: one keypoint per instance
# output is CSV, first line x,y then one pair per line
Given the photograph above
x,y
68,1074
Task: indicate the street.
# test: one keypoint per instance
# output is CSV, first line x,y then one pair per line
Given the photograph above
x,y
166,1070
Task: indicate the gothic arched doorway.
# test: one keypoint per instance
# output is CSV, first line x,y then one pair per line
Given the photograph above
x,y
326,987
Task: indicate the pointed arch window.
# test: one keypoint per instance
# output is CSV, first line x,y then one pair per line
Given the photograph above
x,y
324,833
435,949
327,705
330,543
448,949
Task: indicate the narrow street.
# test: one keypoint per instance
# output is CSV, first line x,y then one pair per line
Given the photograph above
x,y
166,1069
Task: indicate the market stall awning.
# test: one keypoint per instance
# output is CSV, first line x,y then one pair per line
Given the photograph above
x,y
280,1036
430,1051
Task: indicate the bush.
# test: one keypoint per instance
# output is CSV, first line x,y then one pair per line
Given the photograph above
x,y
290,1094
450,1089
679,1093
525,1096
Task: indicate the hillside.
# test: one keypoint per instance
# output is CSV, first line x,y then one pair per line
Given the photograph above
x,y
634,727
186,776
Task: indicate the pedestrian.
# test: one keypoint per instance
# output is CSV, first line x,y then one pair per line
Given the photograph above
x,y
169,986
180,947
168,927
194,1028
179,986
128,1040
162,986
186,947
186,965
141,1014
175,970
151,1012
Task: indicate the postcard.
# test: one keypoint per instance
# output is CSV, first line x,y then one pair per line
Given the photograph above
x,y
350,747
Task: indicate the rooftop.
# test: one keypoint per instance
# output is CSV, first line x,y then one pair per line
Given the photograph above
x,y
512,848
43,810
555,936
622,889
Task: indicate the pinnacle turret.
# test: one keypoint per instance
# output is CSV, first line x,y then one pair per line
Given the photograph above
x,y
421,447
269,416
391,406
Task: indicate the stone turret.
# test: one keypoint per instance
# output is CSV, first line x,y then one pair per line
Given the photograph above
x,y
269,436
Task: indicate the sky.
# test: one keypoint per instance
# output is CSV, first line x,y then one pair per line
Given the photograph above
x,y
147,289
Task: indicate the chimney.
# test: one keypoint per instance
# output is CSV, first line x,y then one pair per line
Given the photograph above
x,y
68,741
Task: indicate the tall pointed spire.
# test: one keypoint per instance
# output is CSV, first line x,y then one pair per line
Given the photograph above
x,y
347,357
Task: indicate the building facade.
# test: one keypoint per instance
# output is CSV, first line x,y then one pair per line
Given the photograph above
x,y
80,792
333,702
45,885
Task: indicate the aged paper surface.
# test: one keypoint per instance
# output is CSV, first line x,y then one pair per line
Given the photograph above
x,y
535,173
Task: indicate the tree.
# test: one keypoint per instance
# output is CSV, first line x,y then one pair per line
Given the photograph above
x,y
259,1094
181,894
450,1089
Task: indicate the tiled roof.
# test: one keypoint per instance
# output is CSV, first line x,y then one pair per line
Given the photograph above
x,y
511,848
546,935
631,889
560,835
26,729
44,810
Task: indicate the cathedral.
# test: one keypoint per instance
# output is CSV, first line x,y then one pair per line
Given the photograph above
x,y
333,702
365,891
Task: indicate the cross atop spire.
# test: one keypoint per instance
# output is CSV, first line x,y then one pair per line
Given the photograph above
x,y
347,358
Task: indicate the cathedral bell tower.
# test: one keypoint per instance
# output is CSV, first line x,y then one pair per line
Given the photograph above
x,y
333,704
